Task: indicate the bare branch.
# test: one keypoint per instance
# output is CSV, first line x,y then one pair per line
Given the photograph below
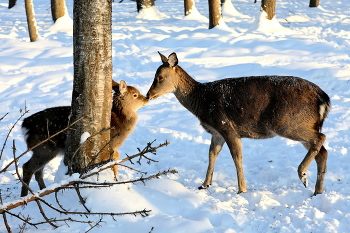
x,y
3,116
147,149
10,130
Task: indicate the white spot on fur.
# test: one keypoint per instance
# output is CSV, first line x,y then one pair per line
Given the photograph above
x,y
322,110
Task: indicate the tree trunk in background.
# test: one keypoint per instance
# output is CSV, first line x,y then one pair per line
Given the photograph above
x,y
58,9
32,29
92,85
12,3
188,6
314,3
214,13
269,6
143,4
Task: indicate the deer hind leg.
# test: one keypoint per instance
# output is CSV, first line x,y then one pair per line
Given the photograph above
x,y
321,160
39,178
319,153
235,146
35,165
217,141
116,156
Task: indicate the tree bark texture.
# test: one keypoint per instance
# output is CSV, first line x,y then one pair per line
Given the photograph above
x,y
12,3
188,4
269,6
92,85
58,9
143,4
314,3
214,13
32,28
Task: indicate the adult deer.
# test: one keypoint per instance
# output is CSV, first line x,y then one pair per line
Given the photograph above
x,y
250,107
39,126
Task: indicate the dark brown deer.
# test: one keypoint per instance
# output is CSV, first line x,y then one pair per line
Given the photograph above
x,y
39,126
251,107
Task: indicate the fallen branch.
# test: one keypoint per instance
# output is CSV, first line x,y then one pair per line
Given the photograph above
x,y
70,185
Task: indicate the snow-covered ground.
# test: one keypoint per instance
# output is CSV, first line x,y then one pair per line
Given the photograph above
x,y
310,43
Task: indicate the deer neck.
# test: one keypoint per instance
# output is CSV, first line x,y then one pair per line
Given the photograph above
x,y
188,91
123,113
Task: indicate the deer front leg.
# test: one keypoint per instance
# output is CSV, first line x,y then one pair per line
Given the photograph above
x,y
217,141
235,146
116,156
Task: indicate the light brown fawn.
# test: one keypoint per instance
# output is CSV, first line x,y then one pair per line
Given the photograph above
x,y
251,107
39,126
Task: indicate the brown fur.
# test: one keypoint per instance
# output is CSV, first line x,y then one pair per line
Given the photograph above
x,y
251,107
37,127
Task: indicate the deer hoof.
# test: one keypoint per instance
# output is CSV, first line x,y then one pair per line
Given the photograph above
x,y
304,179
203,187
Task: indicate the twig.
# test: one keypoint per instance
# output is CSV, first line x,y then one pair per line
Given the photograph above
x,y
58,202
43,213
26,220
147,149
97,224
10,130
4,217
142,212
16,168
3,116
81,199
8,228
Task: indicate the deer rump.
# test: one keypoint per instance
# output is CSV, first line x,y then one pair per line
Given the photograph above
x,y
57,119
263,106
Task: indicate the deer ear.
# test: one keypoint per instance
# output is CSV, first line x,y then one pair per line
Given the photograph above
x,y
172,60
163,58
115,86
122,87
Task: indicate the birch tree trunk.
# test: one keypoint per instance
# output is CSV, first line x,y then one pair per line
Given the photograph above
x,y
58,9
269,6
12,3
314,3
214,13
143,4
32,29
188,4
92,85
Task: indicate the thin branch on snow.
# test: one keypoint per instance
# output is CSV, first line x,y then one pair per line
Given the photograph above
x,y
76,185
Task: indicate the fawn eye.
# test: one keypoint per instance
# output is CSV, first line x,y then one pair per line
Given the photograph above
x,y
135,95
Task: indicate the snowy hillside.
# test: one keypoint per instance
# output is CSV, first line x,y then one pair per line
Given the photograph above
x,y
313,44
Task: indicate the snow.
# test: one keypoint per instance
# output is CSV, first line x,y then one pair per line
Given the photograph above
x,y
84,137
262,24
310,43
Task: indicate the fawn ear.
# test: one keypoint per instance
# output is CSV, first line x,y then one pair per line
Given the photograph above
x,y
122,87
172,60
163,58
115,86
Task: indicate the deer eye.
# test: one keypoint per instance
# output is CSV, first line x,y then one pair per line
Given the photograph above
x,y
135,95
160,78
